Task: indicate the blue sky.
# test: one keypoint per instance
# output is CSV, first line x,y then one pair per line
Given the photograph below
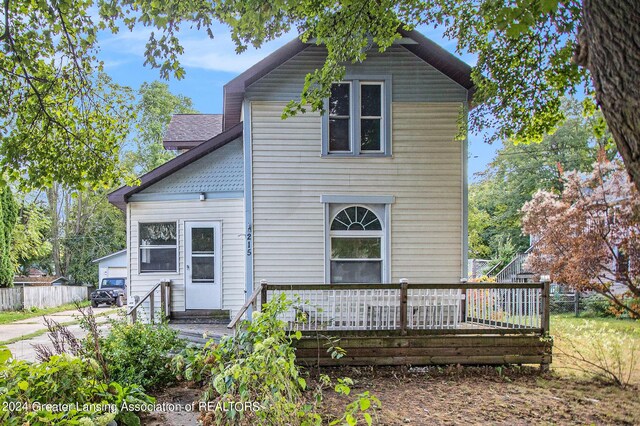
x,y
209,64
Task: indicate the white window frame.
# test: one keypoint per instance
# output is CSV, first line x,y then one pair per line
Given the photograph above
x,y
176,246
355,105
380,206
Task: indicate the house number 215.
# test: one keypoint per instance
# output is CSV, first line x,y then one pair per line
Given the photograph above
x,y
249,230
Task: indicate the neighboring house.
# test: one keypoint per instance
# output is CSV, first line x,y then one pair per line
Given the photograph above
x,y
43,280
113,265
373,191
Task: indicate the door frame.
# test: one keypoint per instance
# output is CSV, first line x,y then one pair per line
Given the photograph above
x,y
217,250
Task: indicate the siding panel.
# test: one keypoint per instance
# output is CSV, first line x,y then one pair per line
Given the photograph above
x,y
413,80
229,211
424,174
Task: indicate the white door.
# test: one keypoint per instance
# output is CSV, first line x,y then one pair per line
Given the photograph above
x,y
203,281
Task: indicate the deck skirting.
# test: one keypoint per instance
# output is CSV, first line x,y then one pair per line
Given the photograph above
x,y
426,349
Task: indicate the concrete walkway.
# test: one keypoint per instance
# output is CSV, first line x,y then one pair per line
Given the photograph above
x,y
23,349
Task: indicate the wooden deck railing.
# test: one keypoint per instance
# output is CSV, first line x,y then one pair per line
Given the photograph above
x,y
165,302
404,307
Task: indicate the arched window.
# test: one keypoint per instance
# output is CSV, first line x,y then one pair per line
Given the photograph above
x,y
356,246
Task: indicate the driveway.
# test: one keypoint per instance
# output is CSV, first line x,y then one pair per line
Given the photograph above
x,y
23,349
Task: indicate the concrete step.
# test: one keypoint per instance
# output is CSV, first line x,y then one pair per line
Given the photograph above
x,y
199,334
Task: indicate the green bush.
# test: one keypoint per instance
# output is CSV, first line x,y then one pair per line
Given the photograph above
x,y
70,386
252,378
139,353
597,306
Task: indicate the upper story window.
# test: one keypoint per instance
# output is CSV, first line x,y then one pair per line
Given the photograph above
x,y
357,122
158,247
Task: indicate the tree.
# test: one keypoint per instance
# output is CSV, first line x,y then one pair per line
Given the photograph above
x,y
589,236
84,226
31,246
61,118
518,171
155,107
8,216
530,54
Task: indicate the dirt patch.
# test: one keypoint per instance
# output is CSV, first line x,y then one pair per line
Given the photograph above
x,y
470,396
172,398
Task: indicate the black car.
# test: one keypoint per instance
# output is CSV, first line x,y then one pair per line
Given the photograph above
x,y
112,291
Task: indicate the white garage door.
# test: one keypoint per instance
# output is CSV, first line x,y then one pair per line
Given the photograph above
x,y
116,272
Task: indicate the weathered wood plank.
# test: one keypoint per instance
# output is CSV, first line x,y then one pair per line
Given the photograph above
x,y
428,360
424,342
434,351
435,332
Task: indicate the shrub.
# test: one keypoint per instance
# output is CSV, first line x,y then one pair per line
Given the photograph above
x,y
597,306
138,353
601,351
26,387
255,370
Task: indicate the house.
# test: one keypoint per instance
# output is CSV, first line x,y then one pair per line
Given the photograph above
x,y
42,280
371,192
360,213
113,265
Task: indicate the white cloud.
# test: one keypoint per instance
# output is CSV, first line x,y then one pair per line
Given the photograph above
x,y
217,54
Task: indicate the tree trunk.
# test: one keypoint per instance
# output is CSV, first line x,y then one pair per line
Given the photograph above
x,y
609,47
52,200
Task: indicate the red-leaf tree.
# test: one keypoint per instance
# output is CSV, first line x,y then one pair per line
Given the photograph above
x,y
589,236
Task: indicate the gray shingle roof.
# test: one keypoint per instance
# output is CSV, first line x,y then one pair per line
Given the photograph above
x,y
186,131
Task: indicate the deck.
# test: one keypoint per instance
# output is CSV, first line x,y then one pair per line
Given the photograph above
x,y
417,324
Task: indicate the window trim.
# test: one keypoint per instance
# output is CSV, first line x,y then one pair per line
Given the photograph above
x,y
177,245
380,209
355,119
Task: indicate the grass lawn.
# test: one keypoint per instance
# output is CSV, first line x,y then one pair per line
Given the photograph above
x,y
607,342
11,316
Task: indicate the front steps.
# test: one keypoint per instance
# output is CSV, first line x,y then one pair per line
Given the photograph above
x,y
200,316
198,326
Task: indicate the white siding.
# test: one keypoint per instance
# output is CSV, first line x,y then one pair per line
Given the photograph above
x,y
228,211
424,174
413,79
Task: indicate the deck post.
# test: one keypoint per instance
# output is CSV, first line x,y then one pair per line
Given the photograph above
x,y
168,302
404,284
163,300
134,315
151,306
263,293
545,308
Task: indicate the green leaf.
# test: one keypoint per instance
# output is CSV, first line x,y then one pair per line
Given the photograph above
x,y
368,419
5,355
365,403
23,385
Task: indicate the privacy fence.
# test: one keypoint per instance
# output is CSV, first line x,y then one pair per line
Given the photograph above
x,y
18,298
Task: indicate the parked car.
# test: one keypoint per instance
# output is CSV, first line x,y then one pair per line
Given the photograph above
x,y
112,291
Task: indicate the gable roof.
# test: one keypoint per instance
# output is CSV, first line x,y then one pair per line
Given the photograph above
x,y
427,50
120,196
186,131
109,256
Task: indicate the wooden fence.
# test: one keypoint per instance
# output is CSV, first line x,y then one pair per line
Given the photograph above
x,y
17,298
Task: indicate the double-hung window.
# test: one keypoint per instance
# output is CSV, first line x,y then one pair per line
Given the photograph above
x,y
158,247
356,246
356,122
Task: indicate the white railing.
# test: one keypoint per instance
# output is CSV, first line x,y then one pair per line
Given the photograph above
x,y
505,307
404,307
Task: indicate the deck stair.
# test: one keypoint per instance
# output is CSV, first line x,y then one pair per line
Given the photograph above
x,y
515,271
